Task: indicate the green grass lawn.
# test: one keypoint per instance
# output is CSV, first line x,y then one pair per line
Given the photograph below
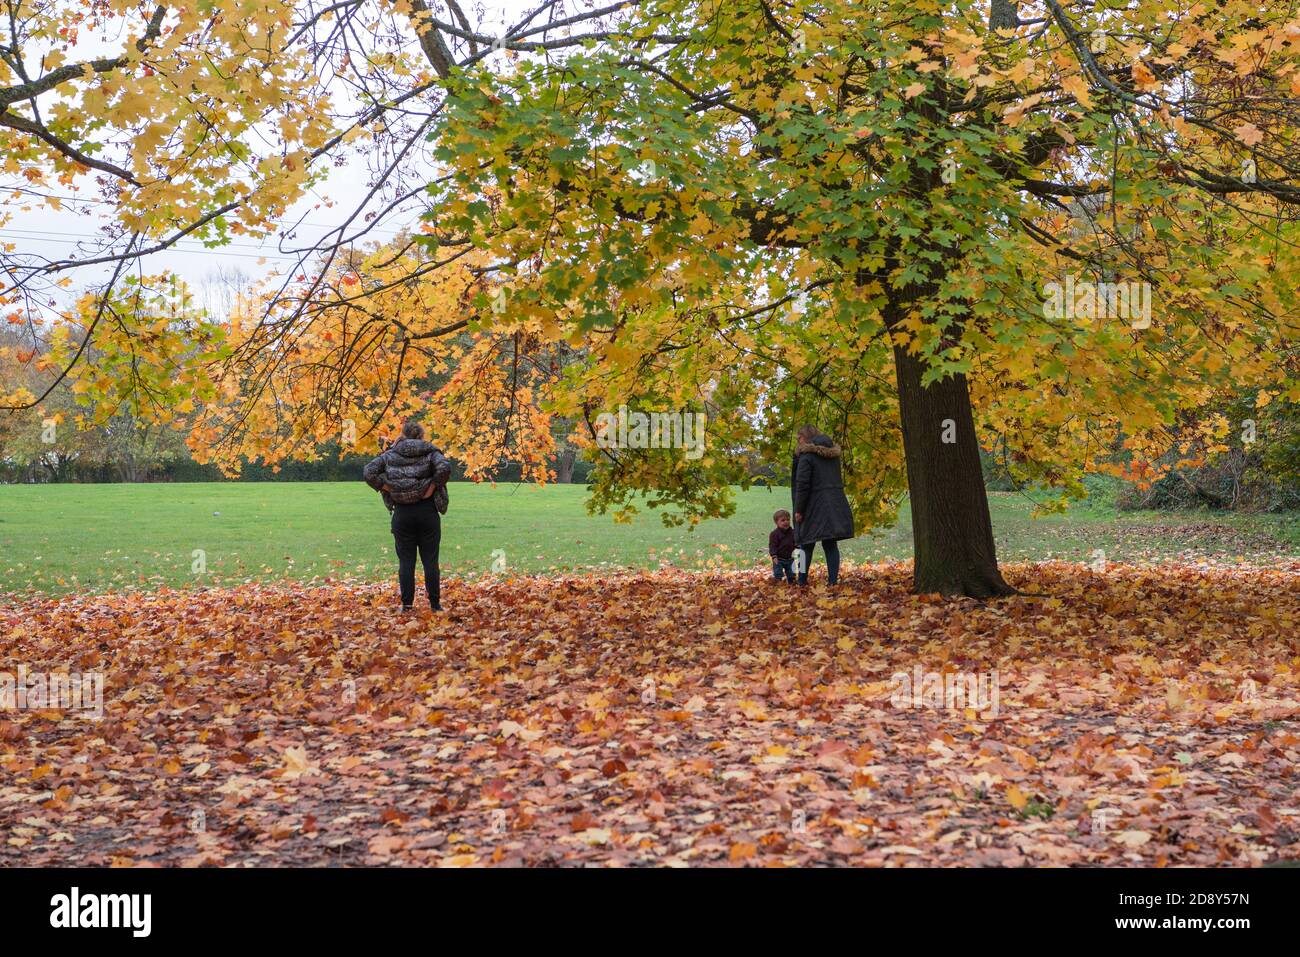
x,y
97,538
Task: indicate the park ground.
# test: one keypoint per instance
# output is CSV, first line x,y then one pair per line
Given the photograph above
x,y
97,538
681,710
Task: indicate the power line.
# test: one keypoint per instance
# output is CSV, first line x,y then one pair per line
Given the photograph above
x,y
55,232
105,202
76,239
188,251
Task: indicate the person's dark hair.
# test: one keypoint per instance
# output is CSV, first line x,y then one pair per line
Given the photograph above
x,y
776,517
412,429
807,433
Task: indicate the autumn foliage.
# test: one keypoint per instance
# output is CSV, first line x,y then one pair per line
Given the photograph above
x,y
1145,716
714,205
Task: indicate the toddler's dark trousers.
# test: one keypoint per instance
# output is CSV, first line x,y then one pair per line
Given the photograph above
x,y
783,567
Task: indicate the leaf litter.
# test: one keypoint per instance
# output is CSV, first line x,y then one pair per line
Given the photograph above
x,y
1144,716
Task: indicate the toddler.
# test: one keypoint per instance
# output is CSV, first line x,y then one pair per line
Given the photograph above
x,y
780,545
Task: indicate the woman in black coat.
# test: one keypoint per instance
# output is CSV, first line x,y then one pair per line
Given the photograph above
x,y
821,509
412,475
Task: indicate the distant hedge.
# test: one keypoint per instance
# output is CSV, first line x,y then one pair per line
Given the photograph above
x,y
326,469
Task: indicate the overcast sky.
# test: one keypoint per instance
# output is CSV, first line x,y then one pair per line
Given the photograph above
x,y
56,233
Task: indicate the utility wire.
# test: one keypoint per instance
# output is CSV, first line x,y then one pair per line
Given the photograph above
x,y
105,202
188,251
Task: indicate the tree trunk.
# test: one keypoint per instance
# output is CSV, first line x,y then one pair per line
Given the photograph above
x,y
952,534
564,466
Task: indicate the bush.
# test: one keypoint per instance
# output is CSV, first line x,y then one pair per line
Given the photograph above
x,y
1259,473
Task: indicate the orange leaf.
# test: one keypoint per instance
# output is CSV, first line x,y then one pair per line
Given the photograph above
x,y
742,851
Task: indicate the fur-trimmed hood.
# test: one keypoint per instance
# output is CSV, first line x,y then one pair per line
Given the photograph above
x,y
830,451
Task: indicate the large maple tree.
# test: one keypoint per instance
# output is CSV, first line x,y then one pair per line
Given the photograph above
x,y
921,173
843,212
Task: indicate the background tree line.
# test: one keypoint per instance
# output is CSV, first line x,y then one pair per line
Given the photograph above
x,y
1257,469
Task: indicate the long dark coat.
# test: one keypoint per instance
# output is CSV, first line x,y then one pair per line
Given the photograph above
x,y
817,490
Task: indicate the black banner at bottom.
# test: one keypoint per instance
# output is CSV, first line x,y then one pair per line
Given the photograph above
x,y
583,906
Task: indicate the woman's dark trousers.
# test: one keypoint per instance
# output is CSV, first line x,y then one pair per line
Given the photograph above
x,y
417,527
832,550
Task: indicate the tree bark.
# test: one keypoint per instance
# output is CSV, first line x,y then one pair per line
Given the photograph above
x,y
1003,15
952,533
564,466
130,471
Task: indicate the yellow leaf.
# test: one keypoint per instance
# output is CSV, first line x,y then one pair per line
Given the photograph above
x,y
295,760
1171,780
1077,87
1175,698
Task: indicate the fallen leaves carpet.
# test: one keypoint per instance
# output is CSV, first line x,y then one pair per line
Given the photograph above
x,y
1142,716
